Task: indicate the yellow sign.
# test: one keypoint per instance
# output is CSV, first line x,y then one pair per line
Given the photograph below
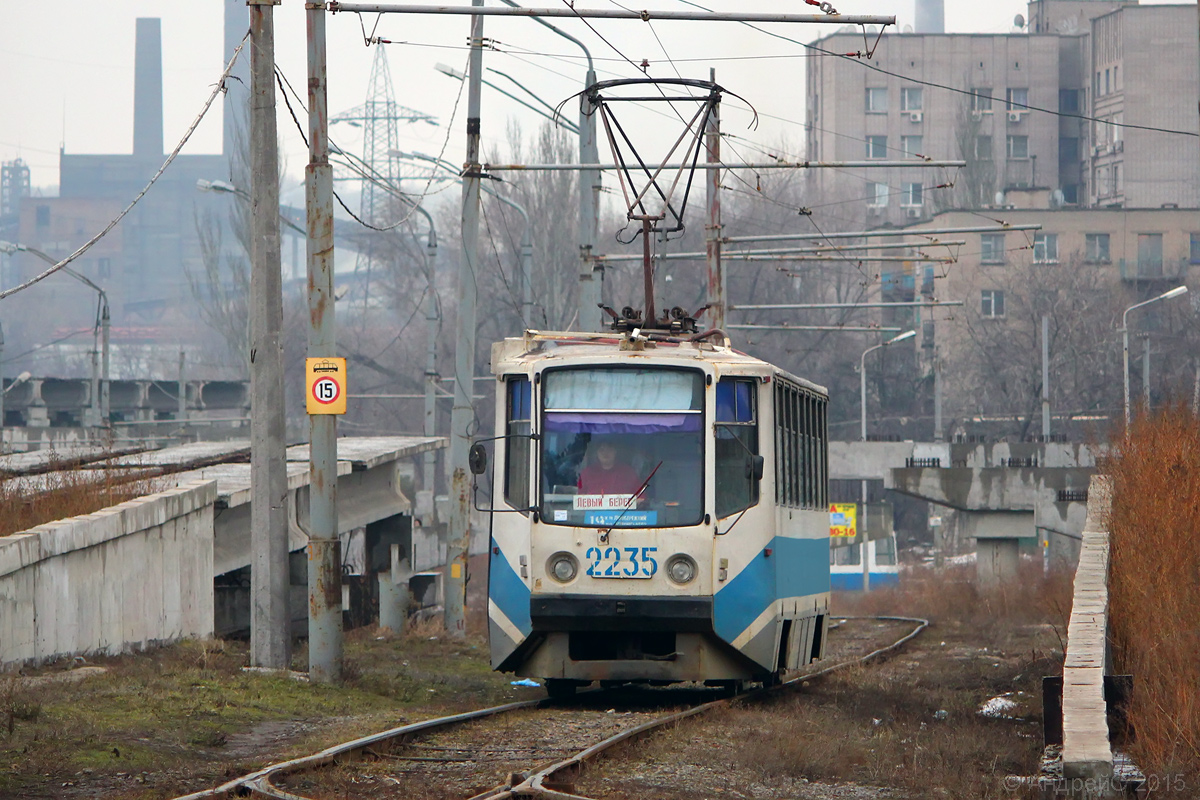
x,y
843,519
326,385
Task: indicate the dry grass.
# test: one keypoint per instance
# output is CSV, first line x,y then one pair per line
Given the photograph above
x,y
61,492
1155,585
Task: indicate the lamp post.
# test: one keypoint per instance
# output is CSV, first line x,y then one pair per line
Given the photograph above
x,y
862,375
1176,292
100,382
525,291
224,187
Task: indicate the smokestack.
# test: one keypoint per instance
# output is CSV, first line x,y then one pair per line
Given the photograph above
x,y
237,88
931,16
148,89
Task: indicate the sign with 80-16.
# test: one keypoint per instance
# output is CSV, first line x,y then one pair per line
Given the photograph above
x,y
326,385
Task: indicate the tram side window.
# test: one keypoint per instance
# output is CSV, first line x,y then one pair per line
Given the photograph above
x,y
736,445
801,450
516,445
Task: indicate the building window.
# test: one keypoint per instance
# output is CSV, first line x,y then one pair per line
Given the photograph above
x,y
983,148
1018,147
876,101
879,194
981,100
1107,85
913,196
43,216
1096,248
992,303
910,99
1045,248
1096,87
876,147
1118,187
1068,101
1195,249
1150,258
911,146
991,248
1017,100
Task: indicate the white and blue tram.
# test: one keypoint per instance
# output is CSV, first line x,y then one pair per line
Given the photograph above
x,y
659,513
845,565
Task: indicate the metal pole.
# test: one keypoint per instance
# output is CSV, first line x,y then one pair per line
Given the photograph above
x,y
105,325
1125,363
527,277
712,243
270,638
324,548
182,384
757,167
792,237
94,406
1045,378
937,394
849,250
431,373
462,417
1146,374
607,13
807,306
591,273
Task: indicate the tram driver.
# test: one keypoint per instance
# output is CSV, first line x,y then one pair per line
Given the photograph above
x,y
607,474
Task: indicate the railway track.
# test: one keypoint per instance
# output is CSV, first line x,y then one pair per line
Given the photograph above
x,y
487,754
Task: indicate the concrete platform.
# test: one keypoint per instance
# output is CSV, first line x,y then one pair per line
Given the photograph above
x,y
366,452
184,456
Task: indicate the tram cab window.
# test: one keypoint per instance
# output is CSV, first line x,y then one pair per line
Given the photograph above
x,y
849,555
622,447
516,445
736,445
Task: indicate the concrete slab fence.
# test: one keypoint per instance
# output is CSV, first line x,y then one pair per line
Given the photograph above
x,y
123,578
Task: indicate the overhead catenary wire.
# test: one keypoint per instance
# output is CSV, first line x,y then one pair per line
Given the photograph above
x,y
218,88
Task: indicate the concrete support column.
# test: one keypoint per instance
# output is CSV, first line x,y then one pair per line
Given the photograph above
x,y
997,560
394,598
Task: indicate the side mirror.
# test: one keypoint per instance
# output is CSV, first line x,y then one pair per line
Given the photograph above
x,y
754,467
477,459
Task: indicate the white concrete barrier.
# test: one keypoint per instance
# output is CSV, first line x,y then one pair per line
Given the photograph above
x,y
128,576
1086,752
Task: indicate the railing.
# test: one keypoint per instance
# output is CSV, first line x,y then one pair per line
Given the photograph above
x,y
922,463
1072,495
1023,463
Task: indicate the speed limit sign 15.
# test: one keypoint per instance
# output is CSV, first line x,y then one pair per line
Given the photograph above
x,y
326,385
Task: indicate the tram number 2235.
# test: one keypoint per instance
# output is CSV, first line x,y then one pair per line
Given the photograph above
x,y
622,562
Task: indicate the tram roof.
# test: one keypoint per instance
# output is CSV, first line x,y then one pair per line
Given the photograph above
x,y
567,345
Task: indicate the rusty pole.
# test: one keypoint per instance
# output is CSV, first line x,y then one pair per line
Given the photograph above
x,y
462,417
712,244
270,637
324,549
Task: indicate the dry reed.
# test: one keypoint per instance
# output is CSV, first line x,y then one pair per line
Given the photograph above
x,y
59,493
1154,585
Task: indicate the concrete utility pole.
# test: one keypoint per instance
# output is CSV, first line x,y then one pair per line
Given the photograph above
x,y
270,637
712,243
324,547
105,324
462,417
181,413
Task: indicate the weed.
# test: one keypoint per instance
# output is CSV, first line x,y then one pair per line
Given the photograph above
x,y
1154,584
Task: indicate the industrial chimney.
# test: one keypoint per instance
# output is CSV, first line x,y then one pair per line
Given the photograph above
x,y
931,16
148,89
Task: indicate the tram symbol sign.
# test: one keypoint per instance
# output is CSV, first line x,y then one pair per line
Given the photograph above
x,y
326,384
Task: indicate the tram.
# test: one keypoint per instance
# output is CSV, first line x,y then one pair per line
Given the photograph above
x,y
658,514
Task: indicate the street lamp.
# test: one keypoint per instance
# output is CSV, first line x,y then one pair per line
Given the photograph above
x,y
550,115
225,187
525,294
862,374
100,382
1176,292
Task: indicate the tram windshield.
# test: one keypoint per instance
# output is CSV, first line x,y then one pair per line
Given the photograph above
x,y
622,447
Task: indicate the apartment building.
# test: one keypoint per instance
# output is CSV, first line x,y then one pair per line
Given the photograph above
x,y
975,97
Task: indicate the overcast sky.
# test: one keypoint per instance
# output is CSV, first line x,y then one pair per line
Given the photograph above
x,y
67,69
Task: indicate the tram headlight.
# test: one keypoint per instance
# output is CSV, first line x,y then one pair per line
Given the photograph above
x,y
563,567
681,568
